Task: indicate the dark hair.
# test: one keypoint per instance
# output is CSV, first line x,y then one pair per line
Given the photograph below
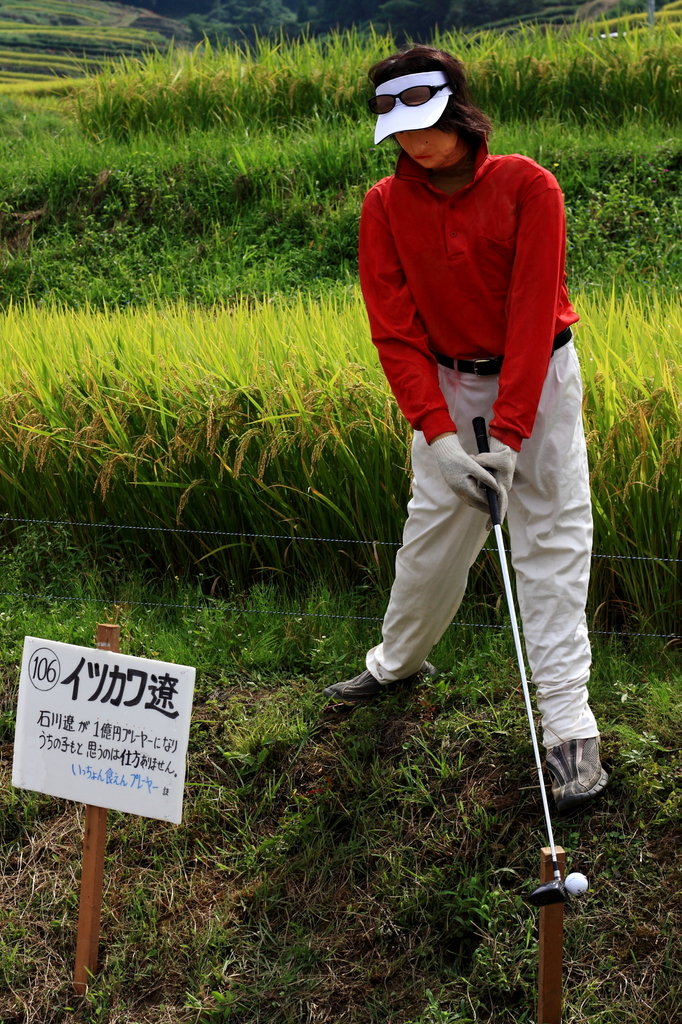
x,y
461,115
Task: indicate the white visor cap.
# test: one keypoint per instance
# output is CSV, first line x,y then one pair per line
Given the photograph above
x,y
409,119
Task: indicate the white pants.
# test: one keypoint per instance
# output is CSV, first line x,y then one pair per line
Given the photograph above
x,y
550,524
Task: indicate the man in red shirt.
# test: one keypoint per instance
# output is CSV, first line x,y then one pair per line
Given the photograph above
x,y
462,271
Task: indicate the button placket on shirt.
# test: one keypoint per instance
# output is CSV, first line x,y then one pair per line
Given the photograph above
x,y
454,237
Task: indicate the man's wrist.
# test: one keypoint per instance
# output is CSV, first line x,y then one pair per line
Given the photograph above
x,y
508,437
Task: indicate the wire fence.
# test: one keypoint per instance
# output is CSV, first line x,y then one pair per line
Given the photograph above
x,y
278,536
217,605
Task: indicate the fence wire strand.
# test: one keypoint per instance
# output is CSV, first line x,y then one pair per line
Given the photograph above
x,y
280,536
235,610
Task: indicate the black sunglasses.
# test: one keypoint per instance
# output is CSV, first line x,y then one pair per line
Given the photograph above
x,y
412,97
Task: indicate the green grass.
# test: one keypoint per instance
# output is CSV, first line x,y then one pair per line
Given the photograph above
x,y
358,870
209,216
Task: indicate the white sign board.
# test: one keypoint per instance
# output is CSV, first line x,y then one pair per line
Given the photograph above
x,y
103,728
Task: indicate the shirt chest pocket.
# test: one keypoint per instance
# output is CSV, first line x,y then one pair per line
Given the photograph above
x,y
495,260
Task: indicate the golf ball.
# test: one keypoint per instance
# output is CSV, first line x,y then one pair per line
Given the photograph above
x,y
576,884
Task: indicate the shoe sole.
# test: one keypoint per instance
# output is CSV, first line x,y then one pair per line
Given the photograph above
x,y
569,802
386,688
330,692
428,672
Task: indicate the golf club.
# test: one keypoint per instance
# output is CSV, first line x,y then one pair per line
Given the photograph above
x,y
554,891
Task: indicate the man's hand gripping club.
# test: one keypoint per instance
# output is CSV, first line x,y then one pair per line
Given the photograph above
x,y
468,476
500,460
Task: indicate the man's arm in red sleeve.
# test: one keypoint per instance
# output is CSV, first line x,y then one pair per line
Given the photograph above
x,y
396,328
532,303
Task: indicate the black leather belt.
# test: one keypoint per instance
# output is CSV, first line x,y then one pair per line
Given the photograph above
x,y
491,367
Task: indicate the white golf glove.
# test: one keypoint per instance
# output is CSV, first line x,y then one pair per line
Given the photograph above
x,y
462,473
500,460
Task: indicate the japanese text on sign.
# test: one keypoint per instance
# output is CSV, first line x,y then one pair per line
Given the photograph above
x,y
104,728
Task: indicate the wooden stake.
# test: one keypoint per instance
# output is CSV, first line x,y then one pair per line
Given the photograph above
x,y
551,945
92,875
108,637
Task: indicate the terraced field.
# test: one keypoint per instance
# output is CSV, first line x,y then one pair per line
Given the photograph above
x,y
669,15
66,39
552,13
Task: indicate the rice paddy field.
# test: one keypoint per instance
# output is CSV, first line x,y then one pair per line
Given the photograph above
x,y
66,39
275,419
530,74
186,359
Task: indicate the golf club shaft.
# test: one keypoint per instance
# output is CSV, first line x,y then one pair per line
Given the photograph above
x,y
481,433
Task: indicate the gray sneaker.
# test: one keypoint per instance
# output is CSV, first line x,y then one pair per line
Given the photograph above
x,y
577,774
365,688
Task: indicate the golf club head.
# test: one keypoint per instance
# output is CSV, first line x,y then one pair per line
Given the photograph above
x,y
550,892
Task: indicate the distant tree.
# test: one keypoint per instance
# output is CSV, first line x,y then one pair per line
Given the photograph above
x,y
407,19
177,8
236,19
410,19
471,13
344,13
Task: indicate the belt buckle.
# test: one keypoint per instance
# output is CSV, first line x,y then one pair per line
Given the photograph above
x,y
476,362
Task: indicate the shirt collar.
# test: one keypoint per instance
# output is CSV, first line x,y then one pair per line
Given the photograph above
x,y
408,169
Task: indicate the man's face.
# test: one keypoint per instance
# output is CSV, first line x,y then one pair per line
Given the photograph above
x,y
433,148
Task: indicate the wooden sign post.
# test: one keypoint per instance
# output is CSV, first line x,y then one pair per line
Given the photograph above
x,y
92,875
550,945
110,731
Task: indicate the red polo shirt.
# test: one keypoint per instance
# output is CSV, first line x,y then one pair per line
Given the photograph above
x,y
479,273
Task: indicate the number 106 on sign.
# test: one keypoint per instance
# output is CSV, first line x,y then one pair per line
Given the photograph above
x,y
44,669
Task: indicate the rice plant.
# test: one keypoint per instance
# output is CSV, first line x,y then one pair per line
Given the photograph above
x,y
583,75
632,366
275,419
